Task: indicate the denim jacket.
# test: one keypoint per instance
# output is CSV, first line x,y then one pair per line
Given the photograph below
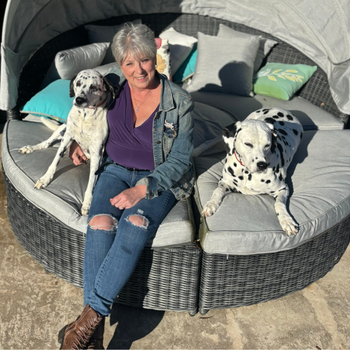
x,y
172,143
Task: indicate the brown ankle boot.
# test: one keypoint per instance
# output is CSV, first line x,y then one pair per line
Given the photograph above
x,y
96,340
76,335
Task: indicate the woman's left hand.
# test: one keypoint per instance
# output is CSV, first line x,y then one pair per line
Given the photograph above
x,y
129,197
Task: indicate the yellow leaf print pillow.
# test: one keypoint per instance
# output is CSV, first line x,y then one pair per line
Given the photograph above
x,y
281,80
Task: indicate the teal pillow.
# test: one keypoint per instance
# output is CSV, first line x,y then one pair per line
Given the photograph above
x,y
281,80
52,102
188,67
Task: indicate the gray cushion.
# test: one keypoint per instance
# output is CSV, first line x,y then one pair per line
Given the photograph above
x,y
209,122
224,65
319,179
265,45
310,116
63,197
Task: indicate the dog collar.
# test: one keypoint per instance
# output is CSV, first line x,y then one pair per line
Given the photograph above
x,y
238,159
99,104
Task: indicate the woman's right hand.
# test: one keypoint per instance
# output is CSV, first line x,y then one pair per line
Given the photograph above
x,y
76,154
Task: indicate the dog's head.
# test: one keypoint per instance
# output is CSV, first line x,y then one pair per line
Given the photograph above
x,y
90,89
251,142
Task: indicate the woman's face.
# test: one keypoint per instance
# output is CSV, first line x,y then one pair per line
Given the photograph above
x,y
139,73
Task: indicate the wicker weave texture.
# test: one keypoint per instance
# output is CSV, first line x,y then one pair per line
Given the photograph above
x,y
164,279
316,90
232,281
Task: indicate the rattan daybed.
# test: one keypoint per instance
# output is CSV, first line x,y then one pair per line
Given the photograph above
x,y
220,262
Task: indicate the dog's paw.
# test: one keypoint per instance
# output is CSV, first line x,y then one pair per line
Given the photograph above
x,y
41,183
289,226
85,211
209,209
26,149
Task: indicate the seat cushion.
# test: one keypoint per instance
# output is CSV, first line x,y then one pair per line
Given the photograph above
x,y
318,178
310,116
63,197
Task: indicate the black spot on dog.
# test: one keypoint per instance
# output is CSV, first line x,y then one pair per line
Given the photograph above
x,y
266,110
295,132
280,148
281,123
275,116
250,177
230,170
269,120
283,132
241,177
280,114
235,164
268,181
262,180
289,117
280,177
246,172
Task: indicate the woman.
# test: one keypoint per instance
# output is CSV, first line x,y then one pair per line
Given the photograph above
x,y
147,170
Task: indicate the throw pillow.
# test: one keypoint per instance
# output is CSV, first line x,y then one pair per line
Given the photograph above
x,y
101,34
180,46
163,57
52,102
281,80
224,65
70,62
265,45
187,68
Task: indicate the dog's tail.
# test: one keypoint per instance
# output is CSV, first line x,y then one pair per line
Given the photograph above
x,y
51,124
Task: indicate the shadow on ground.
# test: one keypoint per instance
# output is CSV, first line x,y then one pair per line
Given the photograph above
x,y
133,324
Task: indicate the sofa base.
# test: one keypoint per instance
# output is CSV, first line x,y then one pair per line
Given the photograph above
x,y
164,279
240,280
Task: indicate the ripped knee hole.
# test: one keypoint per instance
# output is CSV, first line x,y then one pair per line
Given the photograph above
x,y
103,222
138,220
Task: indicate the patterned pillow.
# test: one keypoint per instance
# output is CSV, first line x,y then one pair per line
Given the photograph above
x,y
180,46
281,80
163,57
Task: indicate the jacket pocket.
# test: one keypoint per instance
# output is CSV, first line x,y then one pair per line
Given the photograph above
x,y
169,135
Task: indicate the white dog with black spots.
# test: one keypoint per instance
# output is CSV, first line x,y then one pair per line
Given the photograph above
x,y
86,124
259,151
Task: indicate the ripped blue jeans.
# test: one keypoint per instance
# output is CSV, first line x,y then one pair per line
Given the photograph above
x,y
111,253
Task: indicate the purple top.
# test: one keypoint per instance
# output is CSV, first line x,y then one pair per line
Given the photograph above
x,y
127,145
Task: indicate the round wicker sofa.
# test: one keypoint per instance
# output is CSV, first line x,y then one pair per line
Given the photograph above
x,y
182,278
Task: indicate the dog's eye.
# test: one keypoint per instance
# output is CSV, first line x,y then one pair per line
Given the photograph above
x,y
268,145
78,83
248,144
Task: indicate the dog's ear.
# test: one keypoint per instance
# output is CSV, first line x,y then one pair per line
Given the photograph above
x,y
71,87
231,129
273,137
108,87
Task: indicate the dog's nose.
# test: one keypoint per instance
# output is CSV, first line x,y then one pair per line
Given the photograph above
x,y
79,100
262,165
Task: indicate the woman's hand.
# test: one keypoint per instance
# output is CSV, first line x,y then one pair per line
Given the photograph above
x,y
128,198
76,154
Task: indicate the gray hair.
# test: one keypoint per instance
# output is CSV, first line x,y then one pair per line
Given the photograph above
x,y
137,40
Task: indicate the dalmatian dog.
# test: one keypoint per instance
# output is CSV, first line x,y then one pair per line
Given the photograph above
x,y
86,124
259,151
